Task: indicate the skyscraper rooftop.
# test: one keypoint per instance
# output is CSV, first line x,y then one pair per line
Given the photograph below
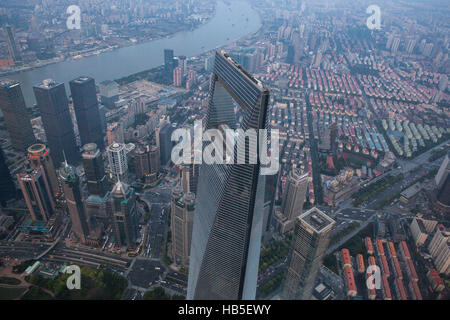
x,y
317,220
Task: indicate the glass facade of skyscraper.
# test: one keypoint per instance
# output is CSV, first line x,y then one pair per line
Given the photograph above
x,y
228,223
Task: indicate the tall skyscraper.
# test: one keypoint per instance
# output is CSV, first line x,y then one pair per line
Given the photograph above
x,y
184,178
209,63
178,77
72,193
154,164
14,110
182,63
182,218
443,182
39,158
310,242
109,93
85,104
169,62
97,186
146,161
295,193
36,192
7,187
189,177
269,200
228,218
294,197
118,163
94,170
13,47
121,207
53,104
443,172
141,162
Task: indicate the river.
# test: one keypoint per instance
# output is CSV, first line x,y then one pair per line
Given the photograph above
x,y
232,21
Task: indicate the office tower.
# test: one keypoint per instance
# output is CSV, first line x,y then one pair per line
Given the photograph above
x,y
72,193
443,195
185,178
121,207
228,218
189,177
182,218
311,238
7,187
97,186
146,161
165,142
36,192
141,162
39,158
439,249
169,62
192,79
115,133
109,93
294,195
270,191
442,180
118,163
34,43
209,63
14,111
443,171
193,177
94,169
177,77
53,104
85,104
182,63
14,49
102,110
154,164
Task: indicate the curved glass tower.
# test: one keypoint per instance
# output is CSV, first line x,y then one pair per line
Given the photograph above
x,y
229,211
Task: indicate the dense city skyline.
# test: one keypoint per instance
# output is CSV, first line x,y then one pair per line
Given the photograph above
x,y
355,94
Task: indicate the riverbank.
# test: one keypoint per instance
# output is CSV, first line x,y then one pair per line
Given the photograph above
x,y
96,51
231,23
